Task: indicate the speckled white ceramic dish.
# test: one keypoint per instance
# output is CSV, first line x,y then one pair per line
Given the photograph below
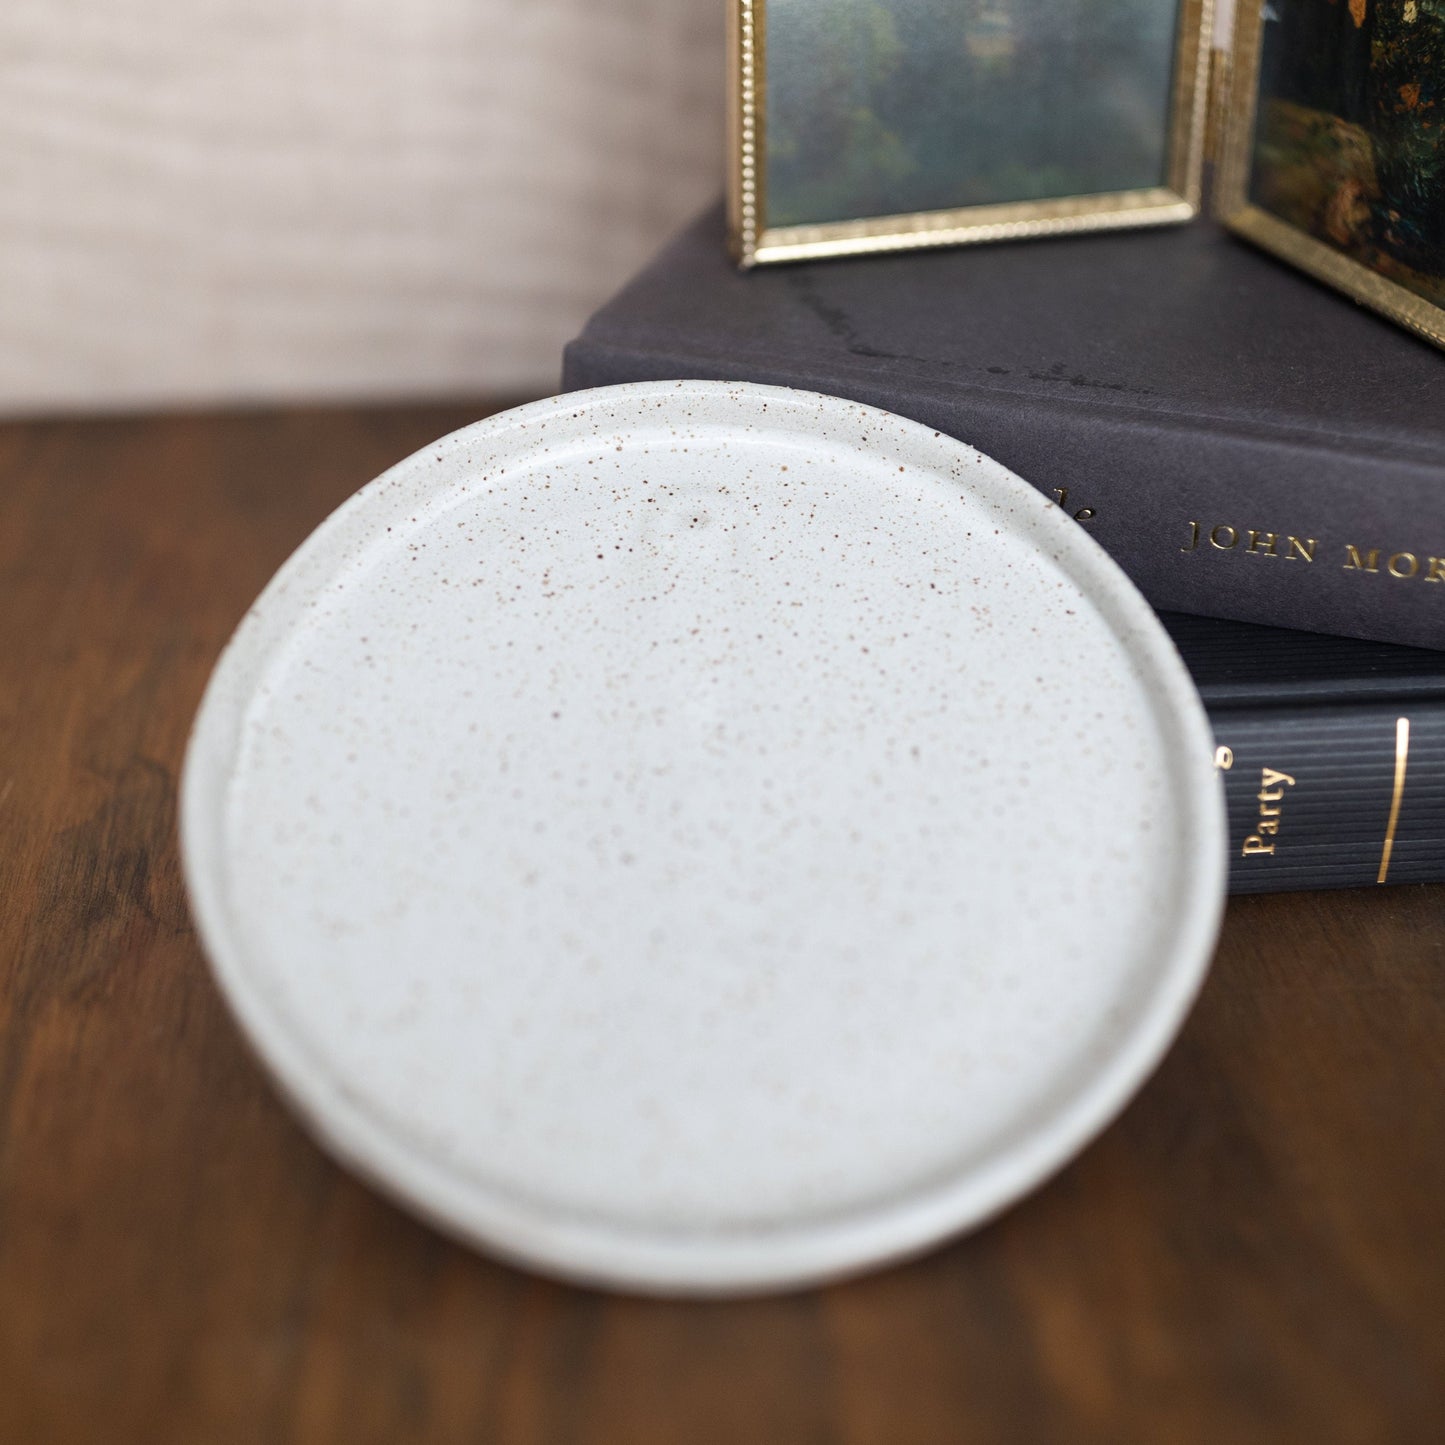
x,y
702,837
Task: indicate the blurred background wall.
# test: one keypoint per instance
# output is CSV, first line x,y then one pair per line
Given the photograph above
x,y
214,201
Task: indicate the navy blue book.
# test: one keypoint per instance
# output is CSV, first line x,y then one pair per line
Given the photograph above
x,y
1333,753
1244,442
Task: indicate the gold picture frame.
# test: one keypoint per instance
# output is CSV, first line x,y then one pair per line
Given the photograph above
x,y
1234,205
754,240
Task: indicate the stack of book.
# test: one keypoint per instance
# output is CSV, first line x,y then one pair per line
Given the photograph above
x,y
1266,461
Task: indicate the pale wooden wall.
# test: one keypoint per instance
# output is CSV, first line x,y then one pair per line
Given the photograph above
x,y
236,200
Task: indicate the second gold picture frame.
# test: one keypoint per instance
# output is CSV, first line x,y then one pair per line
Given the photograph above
x,y
1334,150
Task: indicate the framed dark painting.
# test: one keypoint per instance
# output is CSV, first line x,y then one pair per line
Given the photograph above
x,y
1335,151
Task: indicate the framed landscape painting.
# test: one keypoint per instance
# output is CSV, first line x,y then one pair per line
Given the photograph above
x,y
1335,157
871,125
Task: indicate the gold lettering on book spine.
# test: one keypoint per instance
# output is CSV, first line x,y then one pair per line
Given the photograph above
x,y
1402,566
1225,537
1272,784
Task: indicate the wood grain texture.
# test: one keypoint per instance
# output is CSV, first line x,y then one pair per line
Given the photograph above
x,y
1251,1253
244,199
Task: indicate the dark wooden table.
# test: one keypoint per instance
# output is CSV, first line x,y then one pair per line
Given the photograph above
x,y
1255,1251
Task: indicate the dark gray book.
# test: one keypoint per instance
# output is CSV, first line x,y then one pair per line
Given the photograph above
x,y
1246,443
